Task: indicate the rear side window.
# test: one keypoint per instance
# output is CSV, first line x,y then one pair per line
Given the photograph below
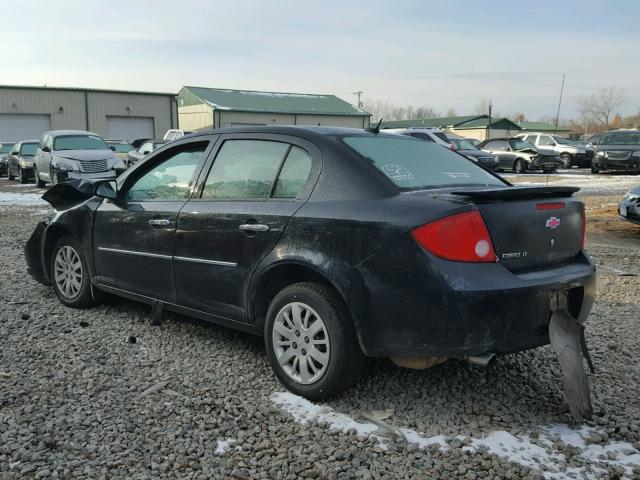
x,y
544,140
421,136
442,137
293,175
415,165
244,169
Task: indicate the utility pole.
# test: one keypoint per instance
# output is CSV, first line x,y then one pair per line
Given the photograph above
x,y
359,94
559,103
489,125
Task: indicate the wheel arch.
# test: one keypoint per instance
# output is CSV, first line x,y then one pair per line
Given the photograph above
x,y
53,233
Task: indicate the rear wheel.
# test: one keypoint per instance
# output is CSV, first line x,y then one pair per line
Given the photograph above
x,y
566,159
10,176
22,176
70,274
311,341
594,168
519,166
36,174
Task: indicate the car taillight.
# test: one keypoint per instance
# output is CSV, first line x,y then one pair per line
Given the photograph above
x,y
584,229
452,147
461,238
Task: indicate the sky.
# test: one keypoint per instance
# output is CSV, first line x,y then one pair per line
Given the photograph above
x,y
422,53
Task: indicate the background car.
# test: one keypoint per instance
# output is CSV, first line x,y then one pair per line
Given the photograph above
x,y
173,133
629,207
333,244
571,153
134,156
120,148
469,150
20,160
517,155
618,150
429,134
5,150
64,154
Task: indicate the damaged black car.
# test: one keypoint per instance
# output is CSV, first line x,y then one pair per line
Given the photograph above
x,y
335,245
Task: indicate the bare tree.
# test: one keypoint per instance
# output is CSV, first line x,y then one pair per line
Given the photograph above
x,y
519,117
451,112
482,107
379,109
601,106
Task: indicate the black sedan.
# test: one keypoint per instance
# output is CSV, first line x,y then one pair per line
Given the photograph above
x,y
469,150
334,244
618,150
629,208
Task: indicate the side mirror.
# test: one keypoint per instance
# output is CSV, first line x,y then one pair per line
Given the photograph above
x,y
46,149
106,189
507,149
146,152
112,148
15,153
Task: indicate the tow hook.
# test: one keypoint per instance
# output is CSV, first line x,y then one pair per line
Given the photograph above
x,y
567,339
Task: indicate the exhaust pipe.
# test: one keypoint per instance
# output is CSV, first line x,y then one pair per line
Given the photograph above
x,y
483,360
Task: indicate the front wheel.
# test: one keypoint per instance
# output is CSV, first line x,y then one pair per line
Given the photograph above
x,y
10,176
566,159
311,341
70,274
594,169
36,174
520,166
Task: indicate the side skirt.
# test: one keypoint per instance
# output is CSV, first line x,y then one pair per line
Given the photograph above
x,y
190,312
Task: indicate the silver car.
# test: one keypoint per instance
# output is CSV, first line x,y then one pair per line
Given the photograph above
x,y
65,154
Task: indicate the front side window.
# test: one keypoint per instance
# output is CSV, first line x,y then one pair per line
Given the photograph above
x,y
28,149
244,169
79,142
170,179
463,144
146,147
415,165
293,175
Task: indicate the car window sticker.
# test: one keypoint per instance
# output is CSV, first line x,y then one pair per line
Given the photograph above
x,y
397,172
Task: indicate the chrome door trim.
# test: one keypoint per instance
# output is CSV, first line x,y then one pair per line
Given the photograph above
x,y
131,252
208,262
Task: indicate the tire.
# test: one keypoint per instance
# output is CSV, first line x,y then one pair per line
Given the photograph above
x,y
519,166
338,362
53,176
594,169
9,176
566,158
39,183
70,274
22,177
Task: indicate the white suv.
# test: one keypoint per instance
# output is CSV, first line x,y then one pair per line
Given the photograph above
x,y
570,153
430,134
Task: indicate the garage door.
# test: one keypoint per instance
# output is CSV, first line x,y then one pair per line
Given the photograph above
x,y
22,126
129,128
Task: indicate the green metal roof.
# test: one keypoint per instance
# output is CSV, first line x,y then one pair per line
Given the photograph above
x,y
441,122
483,122
268,102
541,127
88,90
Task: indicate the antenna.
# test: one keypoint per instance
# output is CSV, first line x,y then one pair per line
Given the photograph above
x,y
559,103
375,129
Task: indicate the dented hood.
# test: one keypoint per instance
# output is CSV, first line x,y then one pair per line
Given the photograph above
x,y
68,194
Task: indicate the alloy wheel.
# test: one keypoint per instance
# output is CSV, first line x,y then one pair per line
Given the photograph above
x,y
68,272
301,343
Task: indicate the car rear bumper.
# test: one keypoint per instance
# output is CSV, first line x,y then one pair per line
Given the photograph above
x,y
431,307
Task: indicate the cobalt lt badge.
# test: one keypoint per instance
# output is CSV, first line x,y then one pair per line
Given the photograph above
x,y
553,223
553,242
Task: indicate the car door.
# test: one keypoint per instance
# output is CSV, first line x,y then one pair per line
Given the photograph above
x,y
43,158
13,159
252,188
133,236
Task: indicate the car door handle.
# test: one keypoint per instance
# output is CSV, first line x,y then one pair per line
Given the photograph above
x,y
160,222
253,227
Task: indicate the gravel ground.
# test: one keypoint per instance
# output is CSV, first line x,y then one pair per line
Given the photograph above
x,y
102,394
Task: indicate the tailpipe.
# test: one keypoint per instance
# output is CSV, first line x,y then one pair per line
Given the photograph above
x,y
483,360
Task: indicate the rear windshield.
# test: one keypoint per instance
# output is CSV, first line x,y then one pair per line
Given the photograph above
x,y
121,147
413,164
6,147
79,142
462,144
620,138
28,149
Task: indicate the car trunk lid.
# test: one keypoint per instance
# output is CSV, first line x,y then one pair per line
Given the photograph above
x,y
531,227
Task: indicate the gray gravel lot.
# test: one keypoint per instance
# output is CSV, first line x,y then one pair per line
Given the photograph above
x,y
102,394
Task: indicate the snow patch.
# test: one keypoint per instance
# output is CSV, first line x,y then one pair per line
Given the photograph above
x,y
21,199
223,446
520,449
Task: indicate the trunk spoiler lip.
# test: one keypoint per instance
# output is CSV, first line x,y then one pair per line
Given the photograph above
x,y
516,192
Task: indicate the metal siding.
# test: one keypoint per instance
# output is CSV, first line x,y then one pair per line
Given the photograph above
x,y
195,117
46,102
103,104
330,120
15,127
237,118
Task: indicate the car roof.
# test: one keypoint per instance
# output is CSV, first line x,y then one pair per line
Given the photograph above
x,y
309,131
57,133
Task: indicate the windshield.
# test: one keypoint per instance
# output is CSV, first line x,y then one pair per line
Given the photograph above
x,y
79,142
620,138
120,147
462,144
413,164
521,145
28,149
6,147
564,141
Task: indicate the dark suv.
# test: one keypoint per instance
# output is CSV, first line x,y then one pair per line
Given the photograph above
x,y
618,150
